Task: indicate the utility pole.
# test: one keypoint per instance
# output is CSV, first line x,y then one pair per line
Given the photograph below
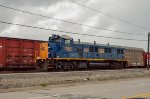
x,y
148,51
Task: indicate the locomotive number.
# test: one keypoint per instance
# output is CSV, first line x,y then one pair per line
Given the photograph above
x,y
86,49
101,50
69,49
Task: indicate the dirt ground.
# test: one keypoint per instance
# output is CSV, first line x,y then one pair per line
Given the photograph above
x,y
24,80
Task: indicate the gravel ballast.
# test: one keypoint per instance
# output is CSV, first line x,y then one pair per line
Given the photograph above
x,y
22,80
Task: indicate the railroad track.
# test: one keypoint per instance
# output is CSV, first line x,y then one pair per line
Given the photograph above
x,y
9,72
38,71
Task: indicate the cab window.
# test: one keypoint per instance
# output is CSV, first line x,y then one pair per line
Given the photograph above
x,y
96,49
57,41
118,51
91,49
67,42
122,52
108,50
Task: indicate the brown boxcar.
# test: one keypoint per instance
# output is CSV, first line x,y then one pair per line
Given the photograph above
x,y
134,56
18,53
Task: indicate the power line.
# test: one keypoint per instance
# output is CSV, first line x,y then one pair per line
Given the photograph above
x,y
125,21
29,26
69,21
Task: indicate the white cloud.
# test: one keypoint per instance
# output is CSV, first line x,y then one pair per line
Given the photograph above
x,y
91,22
131,10
47,24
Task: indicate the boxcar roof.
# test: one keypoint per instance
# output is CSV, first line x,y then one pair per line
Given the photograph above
x,y
21,38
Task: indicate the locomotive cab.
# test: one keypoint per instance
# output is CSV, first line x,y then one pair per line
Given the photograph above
x,y
56,48
58,44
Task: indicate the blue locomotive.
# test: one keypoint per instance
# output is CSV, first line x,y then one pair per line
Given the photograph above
x,y
65,53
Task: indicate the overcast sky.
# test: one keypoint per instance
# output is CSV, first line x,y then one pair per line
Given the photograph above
x,y
135,11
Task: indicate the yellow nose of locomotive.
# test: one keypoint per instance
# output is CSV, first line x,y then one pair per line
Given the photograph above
x,y
43,51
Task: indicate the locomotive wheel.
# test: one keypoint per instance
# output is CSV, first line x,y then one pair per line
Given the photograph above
x,y
112,65
74,66
116,65
121,65
59,66
38,65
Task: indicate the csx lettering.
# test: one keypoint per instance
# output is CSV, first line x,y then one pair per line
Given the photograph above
x,y
101,50
86,49
68,49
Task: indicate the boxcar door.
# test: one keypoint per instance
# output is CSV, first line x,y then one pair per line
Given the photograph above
x,y
1,52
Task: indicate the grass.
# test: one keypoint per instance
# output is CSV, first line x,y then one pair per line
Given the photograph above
x,y
44,84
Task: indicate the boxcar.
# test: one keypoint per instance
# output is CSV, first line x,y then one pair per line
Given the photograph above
x,y
18,53
134,56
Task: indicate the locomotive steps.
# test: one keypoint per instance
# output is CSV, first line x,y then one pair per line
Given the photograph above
x,y
23,80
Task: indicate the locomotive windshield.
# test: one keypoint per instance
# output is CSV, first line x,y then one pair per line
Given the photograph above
x,y
68,42
67,39
54,40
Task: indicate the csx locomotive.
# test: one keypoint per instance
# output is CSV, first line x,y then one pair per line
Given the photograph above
x,y
62,53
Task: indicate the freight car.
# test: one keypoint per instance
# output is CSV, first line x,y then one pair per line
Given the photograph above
x,y
146,58
65,53
134,57
18,53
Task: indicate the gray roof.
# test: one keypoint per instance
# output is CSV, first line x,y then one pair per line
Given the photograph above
x,y
126,47
66,37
